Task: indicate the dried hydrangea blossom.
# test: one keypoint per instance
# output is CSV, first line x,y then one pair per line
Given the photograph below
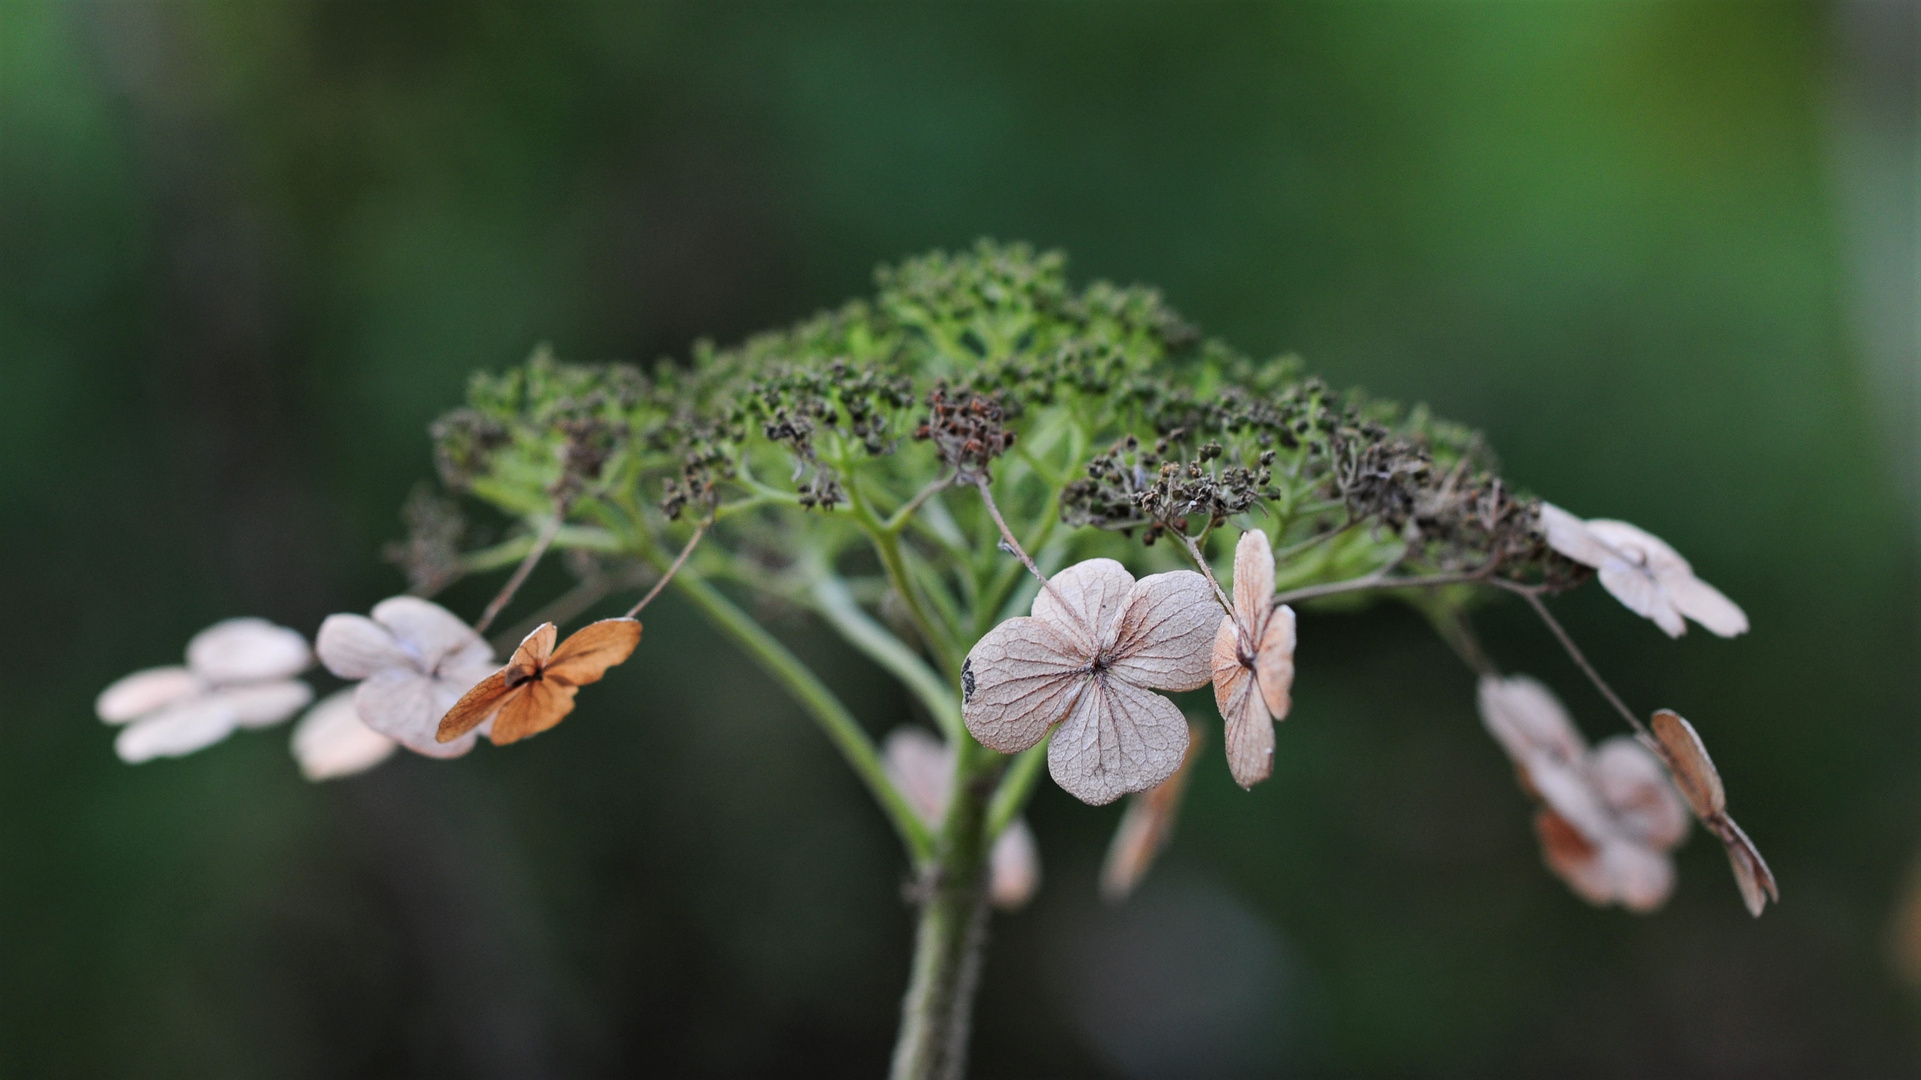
x,y
1088,659
1647,576
239,674
1146,828
536,689
1700,783
330,741
1253,662
413,660
1608,818
923,767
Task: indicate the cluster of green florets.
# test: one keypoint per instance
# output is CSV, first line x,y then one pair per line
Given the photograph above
x,y
956,361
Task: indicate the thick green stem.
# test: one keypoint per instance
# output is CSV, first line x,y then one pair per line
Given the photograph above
x,y
937,1013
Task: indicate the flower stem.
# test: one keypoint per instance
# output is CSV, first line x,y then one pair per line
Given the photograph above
x,y
937,1012
547,533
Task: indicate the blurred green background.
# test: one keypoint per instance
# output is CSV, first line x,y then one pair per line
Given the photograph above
x,y
1662,253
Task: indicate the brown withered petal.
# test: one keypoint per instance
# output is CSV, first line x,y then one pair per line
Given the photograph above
x,y
1146,828
1751,873
536,689
1694,771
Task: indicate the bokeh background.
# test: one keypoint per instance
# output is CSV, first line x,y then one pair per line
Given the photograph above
x,y
1663,253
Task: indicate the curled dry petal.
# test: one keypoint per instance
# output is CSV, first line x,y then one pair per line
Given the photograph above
x,y
331,741
1253,662
1088,659
1145,829
1700,782
536,689
922,768
147,691
247,650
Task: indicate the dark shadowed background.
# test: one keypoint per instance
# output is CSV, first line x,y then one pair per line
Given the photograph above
x,y
1662,253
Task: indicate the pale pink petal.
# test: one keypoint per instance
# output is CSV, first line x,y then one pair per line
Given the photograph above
x,y
265,704
1571,536
247,650
1274,662
1573,858
1566,790
1082,600
406,706
1119,738
1013,867
430,632
1253,579
147,691
180,729
1634,785
1018,681
1706,605
1639,878
354,647
1526,718
1163,637
922,767
331,742
1250,729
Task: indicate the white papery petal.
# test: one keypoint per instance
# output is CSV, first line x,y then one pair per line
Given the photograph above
x,y
247,650
1637,591
406,706
1640,879
1634,785
1082,600
1013,867
1527,719
922,767
1566,790
1018,681
331,741
265,704
1253,580
1640,546
147,691
180,729
1707,605
1571,536
354,647
429,631
1163,637
1118,739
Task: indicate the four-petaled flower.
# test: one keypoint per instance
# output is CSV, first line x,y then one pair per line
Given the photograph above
x,y
414,660
1646,575
1253,662
331,741
1088,658
1609,817
922,767
239,673
1700,783
536,689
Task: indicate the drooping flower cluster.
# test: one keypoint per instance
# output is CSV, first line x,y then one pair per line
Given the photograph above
x,y
1608,816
